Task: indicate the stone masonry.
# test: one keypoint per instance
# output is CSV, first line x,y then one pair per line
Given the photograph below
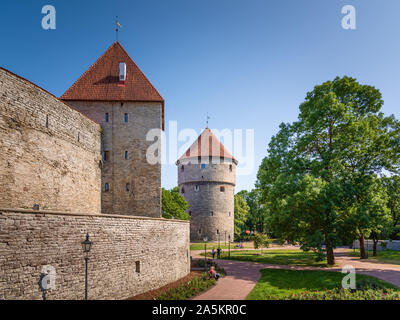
x,y
142,197
209,189
129,256
49,152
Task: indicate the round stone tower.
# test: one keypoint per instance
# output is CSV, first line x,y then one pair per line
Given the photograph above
x,y
206,179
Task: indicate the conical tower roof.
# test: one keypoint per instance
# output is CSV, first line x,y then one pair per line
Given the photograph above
x,y
207,145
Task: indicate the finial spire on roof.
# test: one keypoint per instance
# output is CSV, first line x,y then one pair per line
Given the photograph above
x,y
118,25
208,118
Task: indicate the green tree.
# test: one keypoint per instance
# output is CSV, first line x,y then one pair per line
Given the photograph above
x,y
260,241
392,187
241,210
174,205
258,212
323,166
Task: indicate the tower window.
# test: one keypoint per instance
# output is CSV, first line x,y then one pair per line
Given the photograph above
x,y
47,121
106,187
182,168
127,187
211,213
107,117
199,231
106,155
222,189
79,137
229,213
196,188
126,117
230,167
190,213
217,231
137,265
126,155
183,190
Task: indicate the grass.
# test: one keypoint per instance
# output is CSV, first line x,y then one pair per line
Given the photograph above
x,y
386,256
281,256
286,284
210,245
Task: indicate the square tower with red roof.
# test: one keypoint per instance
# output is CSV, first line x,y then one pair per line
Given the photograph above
x,y
115,93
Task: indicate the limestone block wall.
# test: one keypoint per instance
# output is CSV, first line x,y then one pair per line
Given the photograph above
x,y
49,152
209,190
30,239
144,195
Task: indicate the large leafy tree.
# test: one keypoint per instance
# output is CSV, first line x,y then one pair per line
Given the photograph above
x,y
392,187
321,165
174,205
241,210
257,217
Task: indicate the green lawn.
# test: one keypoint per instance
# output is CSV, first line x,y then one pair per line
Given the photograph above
x,y
387,256
281,256
279,284
200,245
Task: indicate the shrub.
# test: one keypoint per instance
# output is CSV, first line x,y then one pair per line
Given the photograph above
x,y
189,289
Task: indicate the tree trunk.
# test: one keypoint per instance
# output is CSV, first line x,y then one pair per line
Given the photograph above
x,y
363,254
330,257
374,248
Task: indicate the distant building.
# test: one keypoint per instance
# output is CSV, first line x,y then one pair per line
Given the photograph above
x,y
206,179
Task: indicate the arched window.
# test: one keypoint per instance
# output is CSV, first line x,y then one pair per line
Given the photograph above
x,y
106,187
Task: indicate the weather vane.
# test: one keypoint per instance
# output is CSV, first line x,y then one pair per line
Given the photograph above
x,y
118,25
208,118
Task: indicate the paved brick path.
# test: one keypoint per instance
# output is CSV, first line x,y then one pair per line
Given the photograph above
x,y
243,276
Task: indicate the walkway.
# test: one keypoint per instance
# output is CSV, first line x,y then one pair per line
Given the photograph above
x,y
242,276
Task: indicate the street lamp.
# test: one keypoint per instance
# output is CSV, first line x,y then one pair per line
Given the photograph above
x,y
205,253
86,246
229,243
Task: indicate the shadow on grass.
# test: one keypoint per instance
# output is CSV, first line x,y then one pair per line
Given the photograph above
x,y
281,257
277,284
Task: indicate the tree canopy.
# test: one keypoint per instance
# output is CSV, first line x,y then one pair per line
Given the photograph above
x,y
320,177
174,205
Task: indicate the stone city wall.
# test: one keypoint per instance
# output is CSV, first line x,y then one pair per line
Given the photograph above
x,y
49,152
129,256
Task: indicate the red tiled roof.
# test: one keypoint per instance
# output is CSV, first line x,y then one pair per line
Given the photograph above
x,y
101,81
207,145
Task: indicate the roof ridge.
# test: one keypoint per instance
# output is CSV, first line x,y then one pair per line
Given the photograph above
x,y
89,69
138,68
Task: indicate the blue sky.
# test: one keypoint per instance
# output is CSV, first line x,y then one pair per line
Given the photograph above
x,y
248,63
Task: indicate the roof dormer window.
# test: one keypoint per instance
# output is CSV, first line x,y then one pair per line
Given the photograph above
x,y
122,72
